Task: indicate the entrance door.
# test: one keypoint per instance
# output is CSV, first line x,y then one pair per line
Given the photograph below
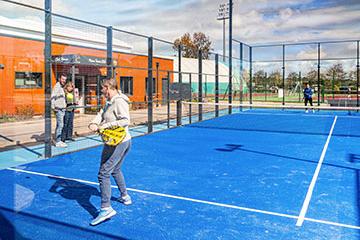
x,y
80,86
92,90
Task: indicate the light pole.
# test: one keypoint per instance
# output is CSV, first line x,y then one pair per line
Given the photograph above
x,y
223,14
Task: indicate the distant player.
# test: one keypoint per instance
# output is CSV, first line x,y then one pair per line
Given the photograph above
x,y
308,92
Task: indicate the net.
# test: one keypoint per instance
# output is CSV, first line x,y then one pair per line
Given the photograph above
x,y
220,109
287,119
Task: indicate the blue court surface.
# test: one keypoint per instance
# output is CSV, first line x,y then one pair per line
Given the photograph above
x,y
257,174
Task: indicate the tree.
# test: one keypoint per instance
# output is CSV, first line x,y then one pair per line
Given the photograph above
x,y
336,75
259,79
275,79
191,46
311,77
353,75
292,80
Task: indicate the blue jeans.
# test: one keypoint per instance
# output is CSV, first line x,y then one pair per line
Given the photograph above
x,y
67,131
111,161
59,124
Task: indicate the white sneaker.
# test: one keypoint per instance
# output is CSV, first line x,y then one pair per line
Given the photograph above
x,y
126,200
61,144
306,111
104,214
313,111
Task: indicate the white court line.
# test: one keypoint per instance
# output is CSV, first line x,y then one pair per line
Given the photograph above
x,y
315,176
297,114
196,200
160,194
288,114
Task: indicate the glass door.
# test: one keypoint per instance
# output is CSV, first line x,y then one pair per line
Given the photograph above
x,y
80,91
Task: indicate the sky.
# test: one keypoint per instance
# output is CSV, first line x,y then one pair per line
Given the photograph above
x,y
254,21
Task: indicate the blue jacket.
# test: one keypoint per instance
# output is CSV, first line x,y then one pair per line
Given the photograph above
x,y
308,92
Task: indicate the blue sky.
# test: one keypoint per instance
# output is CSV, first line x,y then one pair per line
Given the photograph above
x,y
255,21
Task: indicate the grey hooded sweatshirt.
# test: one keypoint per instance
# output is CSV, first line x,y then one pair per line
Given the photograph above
x,y
115,113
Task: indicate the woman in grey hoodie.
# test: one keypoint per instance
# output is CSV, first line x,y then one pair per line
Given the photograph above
x,y
115,113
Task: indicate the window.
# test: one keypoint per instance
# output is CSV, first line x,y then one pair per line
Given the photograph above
x,y
126,85
28,80
153,85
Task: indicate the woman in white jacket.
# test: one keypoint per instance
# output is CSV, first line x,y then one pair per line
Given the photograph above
x,y
115,113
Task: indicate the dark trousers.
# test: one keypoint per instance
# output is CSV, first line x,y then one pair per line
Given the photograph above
x,y
308,100
67,131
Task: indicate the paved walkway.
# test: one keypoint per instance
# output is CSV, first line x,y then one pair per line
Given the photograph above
x,y
31,132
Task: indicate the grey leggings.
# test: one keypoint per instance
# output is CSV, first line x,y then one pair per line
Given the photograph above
x,y
111,161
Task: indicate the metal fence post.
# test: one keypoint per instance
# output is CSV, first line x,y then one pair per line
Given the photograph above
x,y
190,106
216,84
48,33
150,85
168,98
178,102
241,72
250,53
109,44
200,85
266,86
157,83
318,75
300,83
230,54
357,75
283,76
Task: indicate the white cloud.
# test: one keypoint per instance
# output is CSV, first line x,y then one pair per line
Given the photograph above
x,y
17,10
311,53
300,25
261,21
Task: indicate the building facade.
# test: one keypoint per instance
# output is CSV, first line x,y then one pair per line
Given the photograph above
x,y
22,72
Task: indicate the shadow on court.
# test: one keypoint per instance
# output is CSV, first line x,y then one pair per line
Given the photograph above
x,y
7,230
76,191
238,147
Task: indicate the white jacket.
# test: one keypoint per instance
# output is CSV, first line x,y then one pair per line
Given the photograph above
x,y
115,113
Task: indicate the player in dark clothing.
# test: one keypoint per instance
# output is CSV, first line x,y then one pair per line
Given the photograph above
x,y
308,92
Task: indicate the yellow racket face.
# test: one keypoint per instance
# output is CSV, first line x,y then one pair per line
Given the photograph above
x,y
113,136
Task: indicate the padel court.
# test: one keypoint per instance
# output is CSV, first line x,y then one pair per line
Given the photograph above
x,y
255,174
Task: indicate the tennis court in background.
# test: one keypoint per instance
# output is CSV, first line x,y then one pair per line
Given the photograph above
x,y
254,174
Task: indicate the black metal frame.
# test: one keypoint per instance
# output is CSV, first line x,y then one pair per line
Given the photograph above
x,y
230,54
150,85
284,60
150,53
179,102
47,53
216,84
200,99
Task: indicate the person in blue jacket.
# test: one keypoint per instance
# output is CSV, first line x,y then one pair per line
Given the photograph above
x,y
308,92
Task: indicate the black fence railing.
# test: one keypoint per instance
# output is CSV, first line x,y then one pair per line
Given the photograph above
x,y
156,76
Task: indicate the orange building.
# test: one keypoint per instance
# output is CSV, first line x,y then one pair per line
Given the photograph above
x,y
22,77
